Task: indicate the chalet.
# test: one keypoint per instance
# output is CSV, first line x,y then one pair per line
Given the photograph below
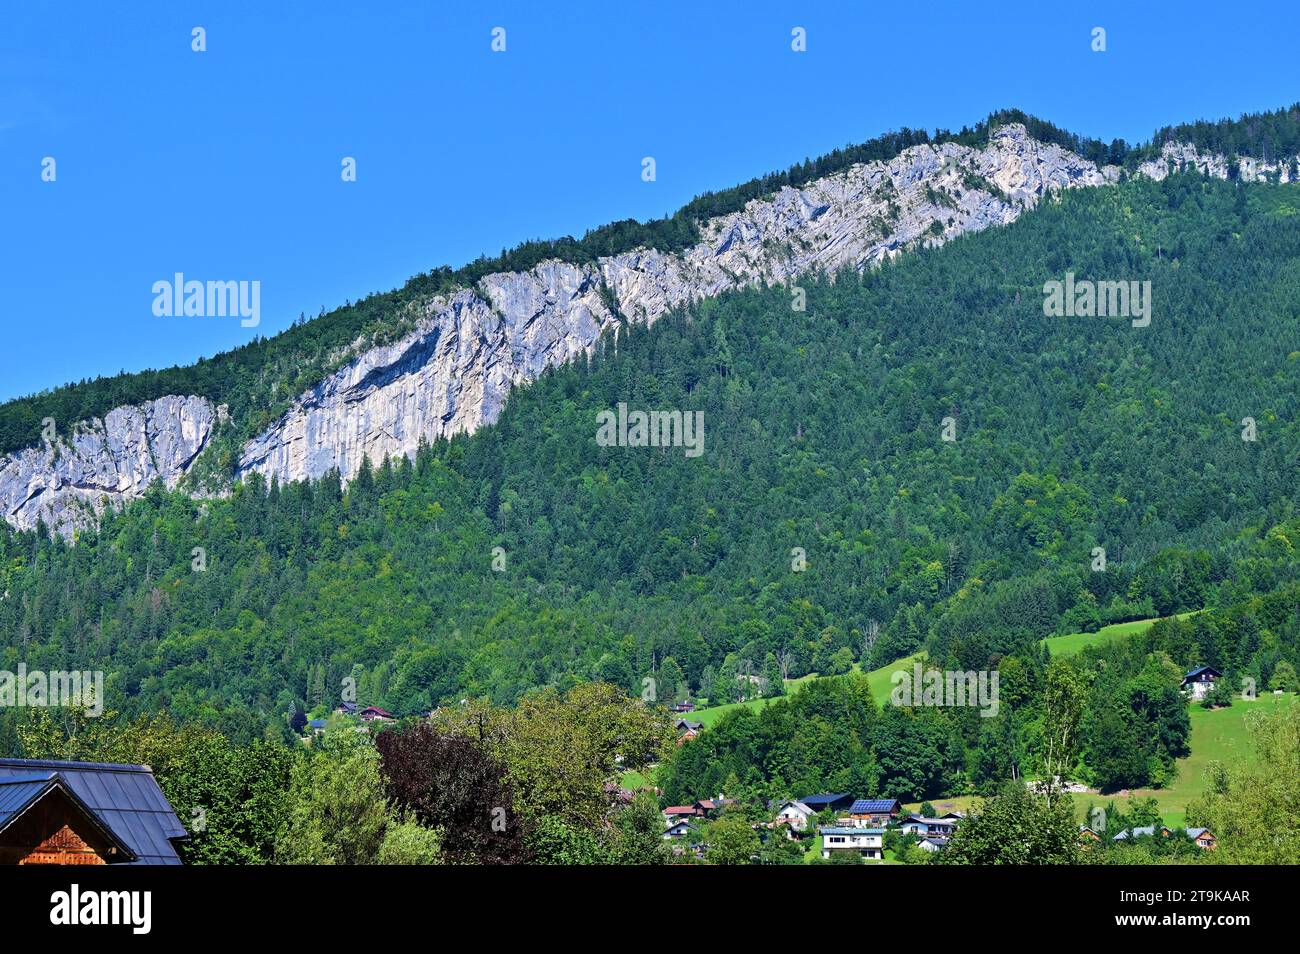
x,y
683,707
686,725
1203,837
316,726
867,842
375,714
680,829
1200,681
875,812
930,844
84,813
710,807
832,802
794,814
935,828
1087,835
346,708
674,812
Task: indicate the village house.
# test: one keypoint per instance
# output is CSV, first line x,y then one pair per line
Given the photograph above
x,y
678,830
85,813
1203,837
867,842
837,801
686,730
875,812
1200,681
673,812
711,807
939,829
794,815
375,714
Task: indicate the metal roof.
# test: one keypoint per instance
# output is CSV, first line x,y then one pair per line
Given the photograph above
x,y
824,799
125,798
17,792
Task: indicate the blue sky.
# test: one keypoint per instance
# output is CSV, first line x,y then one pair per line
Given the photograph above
x,y
226,164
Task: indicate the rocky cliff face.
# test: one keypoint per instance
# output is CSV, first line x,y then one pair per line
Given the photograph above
x,y
69,483
1184,157
455,370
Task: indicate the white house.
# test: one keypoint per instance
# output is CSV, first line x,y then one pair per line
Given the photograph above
x,y
867,842
1200,681
795,814
681,828
938,828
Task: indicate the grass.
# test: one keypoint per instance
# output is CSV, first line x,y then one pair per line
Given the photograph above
x,y
1217,735
881,685
1075,642
878,679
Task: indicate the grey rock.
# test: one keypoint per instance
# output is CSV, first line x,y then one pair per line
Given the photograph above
x,y
454,371
68,484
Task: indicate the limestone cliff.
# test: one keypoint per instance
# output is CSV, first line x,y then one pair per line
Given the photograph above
x,y
454,371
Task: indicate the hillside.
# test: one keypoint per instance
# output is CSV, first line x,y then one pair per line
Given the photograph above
x,y
823,433
439,356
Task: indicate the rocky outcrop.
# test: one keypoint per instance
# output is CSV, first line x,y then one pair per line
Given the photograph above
x,y
68,483
1184,157
453,373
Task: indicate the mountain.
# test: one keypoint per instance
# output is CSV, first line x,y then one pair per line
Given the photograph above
x,y
526,554
441,356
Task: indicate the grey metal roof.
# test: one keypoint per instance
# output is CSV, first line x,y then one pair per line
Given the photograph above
x,y
126,799
17,792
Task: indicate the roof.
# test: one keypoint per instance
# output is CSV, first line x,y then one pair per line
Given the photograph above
x,y
125,799
708,804
17,792
680,810
1209,670
1136,832
1198,832
865,806
795,804
21,792
833,830
317,723
812,801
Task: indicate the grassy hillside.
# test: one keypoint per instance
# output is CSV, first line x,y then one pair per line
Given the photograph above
x,y
1218,735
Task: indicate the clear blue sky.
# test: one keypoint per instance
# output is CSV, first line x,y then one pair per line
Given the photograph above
x,y
225,164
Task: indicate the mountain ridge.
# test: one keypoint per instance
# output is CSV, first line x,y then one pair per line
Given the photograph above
x,y
466,349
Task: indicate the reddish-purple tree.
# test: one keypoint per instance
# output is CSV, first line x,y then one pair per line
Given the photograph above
x,y
447,782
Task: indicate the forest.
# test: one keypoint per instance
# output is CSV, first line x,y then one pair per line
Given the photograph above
x,y
527,556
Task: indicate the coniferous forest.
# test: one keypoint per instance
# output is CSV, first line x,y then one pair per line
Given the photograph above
x,y
829,529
